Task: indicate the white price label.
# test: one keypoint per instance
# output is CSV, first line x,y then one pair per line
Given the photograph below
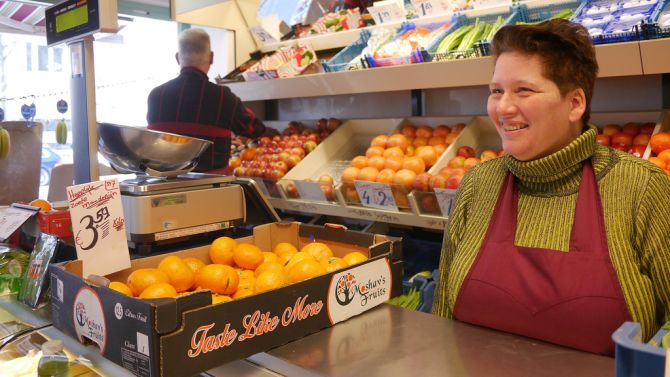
x,y
262,35
376,195
98,227
430,7
11,219
310,191
389,12
446,199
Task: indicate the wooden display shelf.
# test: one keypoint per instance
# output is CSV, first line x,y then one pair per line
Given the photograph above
x,y
364,213
655,56
618,59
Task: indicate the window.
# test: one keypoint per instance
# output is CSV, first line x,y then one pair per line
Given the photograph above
x,y
58,59
29,57
43,58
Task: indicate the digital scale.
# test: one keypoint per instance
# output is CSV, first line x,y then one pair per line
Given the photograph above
x,y
74,19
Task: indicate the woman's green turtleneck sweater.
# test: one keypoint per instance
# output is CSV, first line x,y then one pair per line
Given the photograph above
x,y
636,203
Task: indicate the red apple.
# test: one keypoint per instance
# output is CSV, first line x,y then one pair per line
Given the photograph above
x,y
264,140
631,128
446,171
603,139
611,129
621,147
441,131
647,128
488,155
421,182
470,163
456,162
437,181
309,146
623,139
293,160
428,203
465,151
457,128
454,181
292,190
313,137
281,166
642,139
327,191
326,180
637,150
298,151
332,124
323,124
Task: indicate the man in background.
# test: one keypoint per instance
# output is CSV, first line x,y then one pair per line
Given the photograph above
x,y
191,105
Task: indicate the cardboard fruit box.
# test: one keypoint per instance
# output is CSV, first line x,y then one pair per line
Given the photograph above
x,y
187,335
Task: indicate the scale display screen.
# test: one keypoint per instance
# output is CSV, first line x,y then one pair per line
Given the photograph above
x,y
71,19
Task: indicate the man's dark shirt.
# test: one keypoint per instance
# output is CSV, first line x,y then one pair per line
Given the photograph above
x,y
193,106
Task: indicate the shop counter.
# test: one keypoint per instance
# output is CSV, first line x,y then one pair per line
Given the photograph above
x,y
390,341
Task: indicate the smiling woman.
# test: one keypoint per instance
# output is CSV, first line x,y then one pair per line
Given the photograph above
x,y
561,239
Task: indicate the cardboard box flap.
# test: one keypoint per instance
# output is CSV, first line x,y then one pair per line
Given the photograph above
x,y
329,233
170,311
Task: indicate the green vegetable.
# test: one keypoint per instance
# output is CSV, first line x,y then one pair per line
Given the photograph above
x,y
454,38
410,300
494,28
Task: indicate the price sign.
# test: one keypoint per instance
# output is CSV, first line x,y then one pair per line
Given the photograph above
x,y
310,191
98,227
11,219
446,199
387,12
262,35
376,195
430,7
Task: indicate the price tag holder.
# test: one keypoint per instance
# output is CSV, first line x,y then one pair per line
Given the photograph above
x,y
98,227
262,35
310,191
446,198
385,12
376,195
11,218
427,8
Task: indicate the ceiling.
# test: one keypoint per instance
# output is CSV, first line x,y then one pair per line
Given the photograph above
x,y
27,17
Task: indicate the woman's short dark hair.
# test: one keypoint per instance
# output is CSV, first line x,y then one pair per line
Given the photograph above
x,y
565,49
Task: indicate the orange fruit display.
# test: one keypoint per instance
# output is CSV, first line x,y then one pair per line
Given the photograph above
x,y
141,278
194,264
180,275
218,278
268,280
297,258
246,283
248,256
318,250
304,270
216,299
354,257
221,250
240,293
121,287
159,290
269,257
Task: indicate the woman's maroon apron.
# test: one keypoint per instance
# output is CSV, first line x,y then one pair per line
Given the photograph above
x,y
573,299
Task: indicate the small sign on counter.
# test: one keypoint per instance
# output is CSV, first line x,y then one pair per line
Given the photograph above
x,y
98,227
11,218
445,199
427,8
388,11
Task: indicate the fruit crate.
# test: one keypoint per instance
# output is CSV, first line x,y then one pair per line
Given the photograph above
x,y
510,16
479,134
350,139
659,119
634,358
344,60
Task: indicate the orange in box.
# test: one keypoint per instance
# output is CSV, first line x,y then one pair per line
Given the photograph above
x,y
56,222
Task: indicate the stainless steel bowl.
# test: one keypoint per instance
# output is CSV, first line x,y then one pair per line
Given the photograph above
x,y
141,151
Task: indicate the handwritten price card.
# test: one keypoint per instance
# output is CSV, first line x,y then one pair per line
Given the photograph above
x,y
446,198
430,7
376,195
11,219
98,227
387,11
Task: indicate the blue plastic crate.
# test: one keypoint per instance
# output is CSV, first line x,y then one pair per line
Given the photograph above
x,y
416,56
609,24
426,286
511,17
340,61
538,14
634,358
655,29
